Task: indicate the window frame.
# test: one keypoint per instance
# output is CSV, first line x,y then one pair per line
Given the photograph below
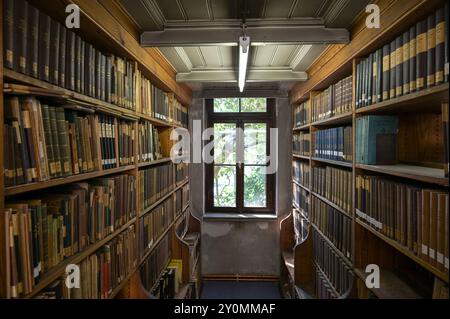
x,y
240,119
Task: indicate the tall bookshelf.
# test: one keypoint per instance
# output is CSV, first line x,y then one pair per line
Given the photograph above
x,y
183,225
403,273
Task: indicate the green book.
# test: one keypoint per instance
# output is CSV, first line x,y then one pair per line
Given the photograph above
x,y
63,142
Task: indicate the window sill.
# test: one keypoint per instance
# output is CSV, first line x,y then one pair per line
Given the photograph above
x,y
238,217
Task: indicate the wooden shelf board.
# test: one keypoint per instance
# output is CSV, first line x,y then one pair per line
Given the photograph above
x,y
425,101
332,245
305,157
404,251
100,105
289,262
418,173
333,162
302,128
57,271
391,286
153,163
345,118
330,203
25,188
300,185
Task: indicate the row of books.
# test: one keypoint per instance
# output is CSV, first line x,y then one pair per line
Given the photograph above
x,y
41,47
413,61
154,183
336,99
153,224
153,266
300,198
337,272
333,224
100,273
45,231
301,143
334,144
302,113
179,113
415,217
149,144
181,199
301,172
45,142
377,139
335,184
126,138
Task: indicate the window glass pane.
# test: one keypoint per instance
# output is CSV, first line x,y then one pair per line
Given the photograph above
x,y
254,105
255,186
226,105
255,145
225,186
225,143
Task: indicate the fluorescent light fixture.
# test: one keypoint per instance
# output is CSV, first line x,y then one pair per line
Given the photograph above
x,y
244,48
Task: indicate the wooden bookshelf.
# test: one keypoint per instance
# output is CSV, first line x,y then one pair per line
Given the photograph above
x,y
330,203
416,173
403,250
108,35
304,157
424,101
302,128
301,186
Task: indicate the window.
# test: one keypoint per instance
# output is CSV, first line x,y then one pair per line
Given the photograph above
x,y
236,181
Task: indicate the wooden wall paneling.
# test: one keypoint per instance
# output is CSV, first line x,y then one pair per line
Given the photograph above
x,y
395,16
420,140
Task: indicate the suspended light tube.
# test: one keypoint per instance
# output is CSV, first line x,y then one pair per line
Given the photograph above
x,y
244,48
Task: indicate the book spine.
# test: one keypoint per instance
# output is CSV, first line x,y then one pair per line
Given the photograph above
x,y
62,56
45,23
399,66
55,37
77,64
55,139
21,35
406,57
421,65
440,49
62,142
8,33
33,44
70,66
412,59
392,70
431,51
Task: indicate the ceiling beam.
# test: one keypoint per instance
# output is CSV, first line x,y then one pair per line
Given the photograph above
x,y
231,75
295,31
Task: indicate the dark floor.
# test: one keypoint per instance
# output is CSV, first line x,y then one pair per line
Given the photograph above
x,y
240,290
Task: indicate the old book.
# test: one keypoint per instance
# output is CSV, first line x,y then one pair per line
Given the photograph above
x,y
440,246
446,35
62,56
386,71
77,63
406,57
431,50
445,137
440,46
412,59
33,42
392,70
70,61
31,171
21,35
63,143
55,40
55,145
421,54
8,33
45,23
49,140
399,66
433,234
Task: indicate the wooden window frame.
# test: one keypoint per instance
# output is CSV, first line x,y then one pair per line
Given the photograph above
x,y
239,119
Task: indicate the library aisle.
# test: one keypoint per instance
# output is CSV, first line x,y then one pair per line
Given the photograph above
x,y
224,149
